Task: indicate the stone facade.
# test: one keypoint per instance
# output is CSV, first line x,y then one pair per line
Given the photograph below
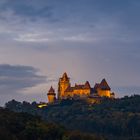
x,y
65,90
51,95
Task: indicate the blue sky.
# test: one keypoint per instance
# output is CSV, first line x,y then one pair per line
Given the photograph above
x,y
89,39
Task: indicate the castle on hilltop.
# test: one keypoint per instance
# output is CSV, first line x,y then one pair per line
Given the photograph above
x,y
85,91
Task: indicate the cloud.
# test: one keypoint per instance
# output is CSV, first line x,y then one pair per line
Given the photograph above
x,y
32,8
100,36
52,20
15,78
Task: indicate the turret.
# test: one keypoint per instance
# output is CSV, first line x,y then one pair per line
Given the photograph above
x,y
51,95
64,83
104,89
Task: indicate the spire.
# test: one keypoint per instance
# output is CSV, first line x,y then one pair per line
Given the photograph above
x,y
51,91
87,85
65,76
104,85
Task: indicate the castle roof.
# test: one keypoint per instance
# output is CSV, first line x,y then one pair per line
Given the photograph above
x,y
65,76
87,85
104,85
78,87
69,89
51,91
97,85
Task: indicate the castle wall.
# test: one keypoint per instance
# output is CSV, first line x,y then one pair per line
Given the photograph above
x,y
51,98
65,90
104,93
93,95
79,92
82,92
70,94
62,87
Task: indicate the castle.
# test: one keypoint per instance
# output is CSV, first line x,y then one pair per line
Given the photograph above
x,y
65,90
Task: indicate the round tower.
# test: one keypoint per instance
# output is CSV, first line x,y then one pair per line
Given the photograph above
x,y
64,83
51,95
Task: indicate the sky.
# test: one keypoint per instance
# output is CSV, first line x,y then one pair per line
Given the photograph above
x,y
88,39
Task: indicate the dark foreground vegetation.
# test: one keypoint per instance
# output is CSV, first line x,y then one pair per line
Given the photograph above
x,y
22,126
113,119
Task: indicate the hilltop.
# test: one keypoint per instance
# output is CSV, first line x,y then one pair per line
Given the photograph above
x,y
86,91
112,118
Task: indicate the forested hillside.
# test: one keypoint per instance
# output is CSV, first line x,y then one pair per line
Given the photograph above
x,y
118,118
22,126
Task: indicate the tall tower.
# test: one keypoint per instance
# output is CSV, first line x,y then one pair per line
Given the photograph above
x,y
51,95
64,83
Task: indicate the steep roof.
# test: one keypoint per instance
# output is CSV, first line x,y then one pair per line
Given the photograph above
x,y
87,85
51,91
65,76
104,85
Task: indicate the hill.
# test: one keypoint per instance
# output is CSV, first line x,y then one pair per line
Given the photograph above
x,y
22,126
117,118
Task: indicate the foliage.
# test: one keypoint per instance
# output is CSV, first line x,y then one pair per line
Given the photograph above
x,y
111,118
22,126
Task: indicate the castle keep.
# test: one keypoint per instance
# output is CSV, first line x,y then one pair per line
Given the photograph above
x,y
65,90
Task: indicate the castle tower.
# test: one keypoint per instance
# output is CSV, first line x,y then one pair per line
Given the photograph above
x,y
64,83
104,89
51,95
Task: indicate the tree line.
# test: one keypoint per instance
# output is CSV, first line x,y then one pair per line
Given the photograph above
x,y
117,118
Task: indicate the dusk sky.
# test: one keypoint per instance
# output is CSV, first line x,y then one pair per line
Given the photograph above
x,y
88,39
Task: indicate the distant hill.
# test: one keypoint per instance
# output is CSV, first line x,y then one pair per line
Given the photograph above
x,y
117,118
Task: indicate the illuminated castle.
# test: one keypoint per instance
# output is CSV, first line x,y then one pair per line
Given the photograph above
x,y
65,90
